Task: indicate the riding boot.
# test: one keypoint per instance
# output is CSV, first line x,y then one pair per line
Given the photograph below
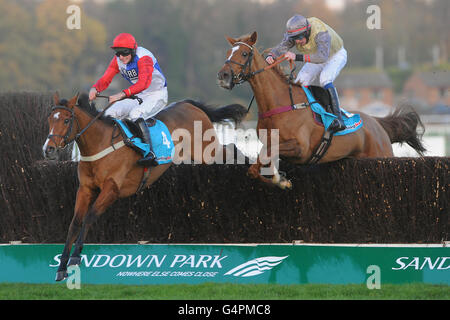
x,y
150,159
337,124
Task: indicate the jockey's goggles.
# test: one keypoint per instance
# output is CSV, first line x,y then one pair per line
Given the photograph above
x,y
123,52
299,36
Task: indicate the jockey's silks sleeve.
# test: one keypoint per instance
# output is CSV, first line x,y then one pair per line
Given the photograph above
x,y
145,67
322,52
105,80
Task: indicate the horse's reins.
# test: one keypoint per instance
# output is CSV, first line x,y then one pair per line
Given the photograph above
x,y
77,136
93,119
104,152
242,77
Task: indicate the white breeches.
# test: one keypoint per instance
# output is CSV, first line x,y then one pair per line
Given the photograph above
x,y
328,70
152,103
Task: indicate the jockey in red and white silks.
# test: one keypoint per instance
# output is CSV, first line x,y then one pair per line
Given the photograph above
x,y
139,67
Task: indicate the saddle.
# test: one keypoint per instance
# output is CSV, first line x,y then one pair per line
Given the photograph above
x,y
132,133
160,139
320,102
321,95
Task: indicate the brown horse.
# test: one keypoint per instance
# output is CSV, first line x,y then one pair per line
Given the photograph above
x,y
114,174
299,134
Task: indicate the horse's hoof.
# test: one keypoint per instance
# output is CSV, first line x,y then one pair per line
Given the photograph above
x,y
60,275
74,261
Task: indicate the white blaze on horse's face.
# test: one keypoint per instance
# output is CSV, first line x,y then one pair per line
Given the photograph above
x,y
46,143
233,50
59,124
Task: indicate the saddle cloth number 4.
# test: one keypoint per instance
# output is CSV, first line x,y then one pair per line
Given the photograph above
x,y
165,140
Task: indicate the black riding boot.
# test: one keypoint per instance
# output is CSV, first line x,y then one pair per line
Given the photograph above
x,y
337,124
150,159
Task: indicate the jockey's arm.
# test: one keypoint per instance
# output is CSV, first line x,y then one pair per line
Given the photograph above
x,y
104,82
282,47
323,41
145,66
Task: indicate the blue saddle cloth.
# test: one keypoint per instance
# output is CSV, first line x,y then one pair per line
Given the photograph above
x,y
352,121
162,143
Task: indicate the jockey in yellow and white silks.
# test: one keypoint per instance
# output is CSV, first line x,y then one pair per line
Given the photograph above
x,y
323,52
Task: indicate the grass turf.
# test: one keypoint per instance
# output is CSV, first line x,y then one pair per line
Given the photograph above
x,y
214,291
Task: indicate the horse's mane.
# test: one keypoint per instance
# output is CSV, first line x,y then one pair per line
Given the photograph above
x,y
85,105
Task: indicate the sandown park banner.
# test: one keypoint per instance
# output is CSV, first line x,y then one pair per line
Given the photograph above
x,y
302,263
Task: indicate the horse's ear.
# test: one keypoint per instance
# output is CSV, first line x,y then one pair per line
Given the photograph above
x,y
253,38
230,40
56,98
73,101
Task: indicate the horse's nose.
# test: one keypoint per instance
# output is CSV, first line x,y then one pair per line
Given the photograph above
x,y
223,75
224,79
50,152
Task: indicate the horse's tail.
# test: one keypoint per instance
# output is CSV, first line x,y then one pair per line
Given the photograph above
x,y
234,112
401,126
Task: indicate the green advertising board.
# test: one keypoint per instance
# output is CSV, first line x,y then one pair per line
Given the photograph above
x,y
251,263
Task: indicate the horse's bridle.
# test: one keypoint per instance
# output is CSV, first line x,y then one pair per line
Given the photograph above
x,y
72,117
65,138
243,76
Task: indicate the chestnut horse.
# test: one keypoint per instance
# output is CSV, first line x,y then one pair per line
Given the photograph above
x,y
299,134
115,174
